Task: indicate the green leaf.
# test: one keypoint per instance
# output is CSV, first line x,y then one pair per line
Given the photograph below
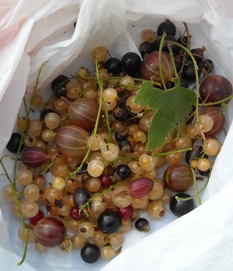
x,y
172,108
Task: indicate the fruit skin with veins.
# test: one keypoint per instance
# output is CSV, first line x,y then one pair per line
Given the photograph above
x,y
214,88
149,68
71,141
49,231
34,157
83,112
140,187
178,177
218,117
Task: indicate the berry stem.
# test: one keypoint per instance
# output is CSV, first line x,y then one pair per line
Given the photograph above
x,y
26,235
160,61
187,45
107,122
173,60
188,35
35,88
196,72
218,102
172,152
16,199
100,83
5,170
195,195
12,182
195,187
86,204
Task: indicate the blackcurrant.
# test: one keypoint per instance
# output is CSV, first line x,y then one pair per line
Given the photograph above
x,y
125,145
121,134
178,65
113,65
109,221
183,40
181,207
142,224
169,85
45,112
90,253
167,27
180,52
204,173
84,167
122,96
198,53
189,71
14,143
123,171
156,44
195,154
59,81
121,113
131,62
184,82
60,91
80,196
145,48
206,64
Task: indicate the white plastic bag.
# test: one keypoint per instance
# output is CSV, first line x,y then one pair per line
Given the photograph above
x,y
33,32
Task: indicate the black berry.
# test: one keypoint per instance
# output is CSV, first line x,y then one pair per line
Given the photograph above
x,y
14,143
123,171
90,253
109,221
181,207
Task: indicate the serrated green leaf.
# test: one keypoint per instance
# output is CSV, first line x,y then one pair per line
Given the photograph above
x,y
147,94
172,108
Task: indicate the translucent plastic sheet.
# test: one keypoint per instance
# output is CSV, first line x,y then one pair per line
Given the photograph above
x,y
32,32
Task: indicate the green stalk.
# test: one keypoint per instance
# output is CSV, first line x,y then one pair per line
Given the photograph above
x,y
195,187
86,204
35,87
16,159
100,83
218,102
160,61
107,121
188,35
173,60
188,46
196,194
196,72
26,235
15,197
172,152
